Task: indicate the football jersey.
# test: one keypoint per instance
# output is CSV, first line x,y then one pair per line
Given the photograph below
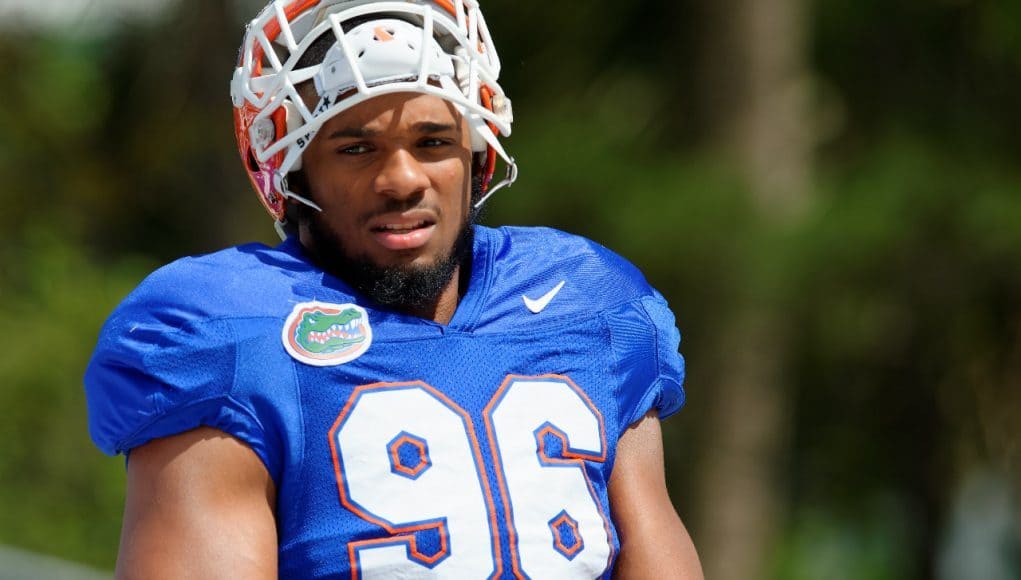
x,y
400,447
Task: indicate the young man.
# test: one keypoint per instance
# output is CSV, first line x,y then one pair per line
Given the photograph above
x,y
393,392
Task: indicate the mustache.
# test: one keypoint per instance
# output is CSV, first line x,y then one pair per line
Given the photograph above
x,y
391,206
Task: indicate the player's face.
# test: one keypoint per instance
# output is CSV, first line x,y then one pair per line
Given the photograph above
x,y
392,176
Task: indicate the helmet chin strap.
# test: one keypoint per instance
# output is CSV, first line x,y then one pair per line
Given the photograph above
x,y
302,200
279,225
285,190
508,180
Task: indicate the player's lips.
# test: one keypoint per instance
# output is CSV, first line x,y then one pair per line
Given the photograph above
x,y
407,231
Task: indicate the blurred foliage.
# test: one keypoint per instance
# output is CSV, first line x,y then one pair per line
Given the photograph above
x,y
901,284
59,496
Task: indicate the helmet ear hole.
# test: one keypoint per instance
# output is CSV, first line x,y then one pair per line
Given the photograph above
x,y
253,163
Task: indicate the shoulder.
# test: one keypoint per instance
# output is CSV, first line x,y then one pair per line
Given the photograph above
x,y
528,259
238,281
182,296
166,359
556,283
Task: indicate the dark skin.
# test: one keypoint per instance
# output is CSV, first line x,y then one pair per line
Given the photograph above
x,y
185,520
392,177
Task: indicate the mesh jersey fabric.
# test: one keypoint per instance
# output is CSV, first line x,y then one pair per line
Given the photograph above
x,y
358,450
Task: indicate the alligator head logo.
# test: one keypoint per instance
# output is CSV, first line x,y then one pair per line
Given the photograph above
x,y
323,334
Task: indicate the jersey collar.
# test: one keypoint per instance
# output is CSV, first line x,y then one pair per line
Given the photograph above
x,y
469,308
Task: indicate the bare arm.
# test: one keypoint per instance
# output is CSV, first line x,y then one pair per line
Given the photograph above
x,y
654,542
199,505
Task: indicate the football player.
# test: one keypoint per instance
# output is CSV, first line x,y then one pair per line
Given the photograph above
x,y
393,391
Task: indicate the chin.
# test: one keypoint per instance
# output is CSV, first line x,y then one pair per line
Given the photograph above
x,y
404,280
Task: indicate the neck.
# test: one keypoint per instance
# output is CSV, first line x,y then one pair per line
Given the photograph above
x,y
442,311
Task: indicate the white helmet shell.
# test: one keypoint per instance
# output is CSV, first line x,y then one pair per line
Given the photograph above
x,y
386,51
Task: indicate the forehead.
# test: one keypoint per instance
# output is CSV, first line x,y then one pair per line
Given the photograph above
x,y
397,111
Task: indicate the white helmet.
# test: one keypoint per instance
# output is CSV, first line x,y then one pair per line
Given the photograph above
x,y
435,47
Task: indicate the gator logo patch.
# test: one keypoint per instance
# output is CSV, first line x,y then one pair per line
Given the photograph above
x,y
326,335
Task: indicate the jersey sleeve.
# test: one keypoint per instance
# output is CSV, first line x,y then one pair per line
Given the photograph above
x,y
160,370
650,369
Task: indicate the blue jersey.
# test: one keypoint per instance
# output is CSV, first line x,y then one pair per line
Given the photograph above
x,y
400,447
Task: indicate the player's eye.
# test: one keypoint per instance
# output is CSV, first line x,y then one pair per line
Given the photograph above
x,y
434,142
354,149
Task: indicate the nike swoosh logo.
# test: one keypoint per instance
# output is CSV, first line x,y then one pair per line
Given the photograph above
x,y
537,306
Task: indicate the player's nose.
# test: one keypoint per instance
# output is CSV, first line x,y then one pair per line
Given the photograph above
x,y
402,175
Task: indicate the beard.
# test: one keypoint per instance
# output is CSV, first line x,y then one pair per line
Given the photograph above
x,y
398,287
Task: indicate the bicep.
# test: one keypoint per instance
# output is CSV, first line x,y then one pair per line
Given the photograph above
x,y
654,541
199,505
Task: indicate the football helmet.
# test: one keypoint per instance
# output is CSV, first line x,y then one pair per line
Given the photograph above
x,y
435,47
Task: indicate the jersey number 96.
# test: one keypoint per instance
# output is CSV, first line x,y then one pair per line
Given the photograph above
x,y
408,459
